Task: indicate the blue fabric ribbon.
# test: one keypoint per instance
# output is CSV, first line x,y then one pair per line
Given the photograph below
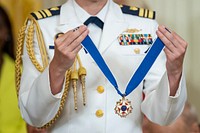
x,y
140,73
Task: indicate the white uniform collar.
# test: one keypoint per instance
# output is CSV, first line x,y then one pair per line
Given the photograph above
x,y
83,15
114,21
71,12
68,14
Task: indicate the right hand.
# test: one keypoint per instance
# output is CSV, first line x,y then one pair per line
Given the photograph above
x,y
67,47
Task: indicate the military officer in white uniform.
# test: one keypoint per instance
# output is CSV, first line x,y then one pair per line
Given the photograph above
x,y
48,56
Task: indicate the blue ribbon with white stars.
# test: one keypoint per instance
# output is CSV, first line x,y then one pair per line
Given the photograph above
x,y
140,73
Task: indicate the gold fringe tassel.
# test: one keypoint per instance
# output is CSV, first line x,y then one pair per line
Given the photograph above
x,y
82,74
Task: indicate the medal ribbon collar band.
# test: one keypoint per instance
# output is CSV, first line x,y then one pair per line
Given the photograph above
x,y
123,106
140,73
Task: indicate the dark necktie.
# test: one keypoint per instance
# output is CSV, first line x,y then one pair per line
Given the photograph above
x,y
94,20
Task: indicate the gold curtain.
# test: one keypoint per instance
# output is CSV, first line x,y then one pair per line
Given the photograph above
x,y
18,11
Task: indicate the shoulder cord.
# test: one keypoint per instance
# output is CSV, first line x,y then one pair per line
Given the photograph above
x,y
30,50
18,61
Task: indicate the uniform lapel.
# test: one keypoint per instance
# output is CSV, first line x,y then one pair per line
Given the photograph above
x,y
114,25
68,18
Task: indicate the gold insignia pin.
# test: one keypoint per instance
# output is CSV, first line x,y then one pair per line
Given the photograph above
x,y
133,30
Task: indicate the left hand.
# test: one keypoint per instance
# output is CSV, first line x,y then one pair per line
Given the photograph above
x,y
175,49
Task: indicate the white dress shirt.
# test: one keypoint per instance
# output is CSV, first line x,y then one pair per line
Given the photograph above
x,y
94,31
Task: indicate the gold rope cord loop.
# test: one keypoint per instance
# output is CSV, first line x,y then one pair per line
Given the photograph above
x,y
18,60
62,103
29,46
41,43
30,50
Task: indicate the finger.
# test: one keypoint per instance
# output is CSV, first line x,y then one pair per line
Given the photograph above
x,y
68,37
177,41
59,38
77,49
166,42
75,29
77,41
73,35
174,50
182,42
168,54
181,49
168,34
58,35
178,37
71,31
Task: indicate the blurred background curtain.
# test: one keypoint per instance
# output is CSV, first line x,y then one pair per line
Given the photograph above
x,y
18,11
182,16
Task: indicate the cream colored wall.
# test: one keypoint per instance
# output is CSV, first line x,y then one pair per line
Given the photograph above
x,y
182,16
50,3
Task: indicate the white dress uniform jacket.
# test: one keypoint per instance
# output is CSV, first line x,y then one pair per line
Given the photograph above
x,y
38,105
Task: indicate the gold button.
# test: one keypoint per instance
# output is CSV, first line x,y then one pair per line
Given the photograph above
x,y
137,50
99,113
100,89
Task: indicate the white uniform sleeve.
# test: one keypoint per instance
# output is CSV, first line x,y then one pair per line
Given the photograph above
x,y
37,104
161,108
158,106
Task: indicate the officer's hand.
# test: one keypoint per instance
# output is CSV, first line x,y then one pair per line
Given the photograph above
x,y
67,46
175,48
